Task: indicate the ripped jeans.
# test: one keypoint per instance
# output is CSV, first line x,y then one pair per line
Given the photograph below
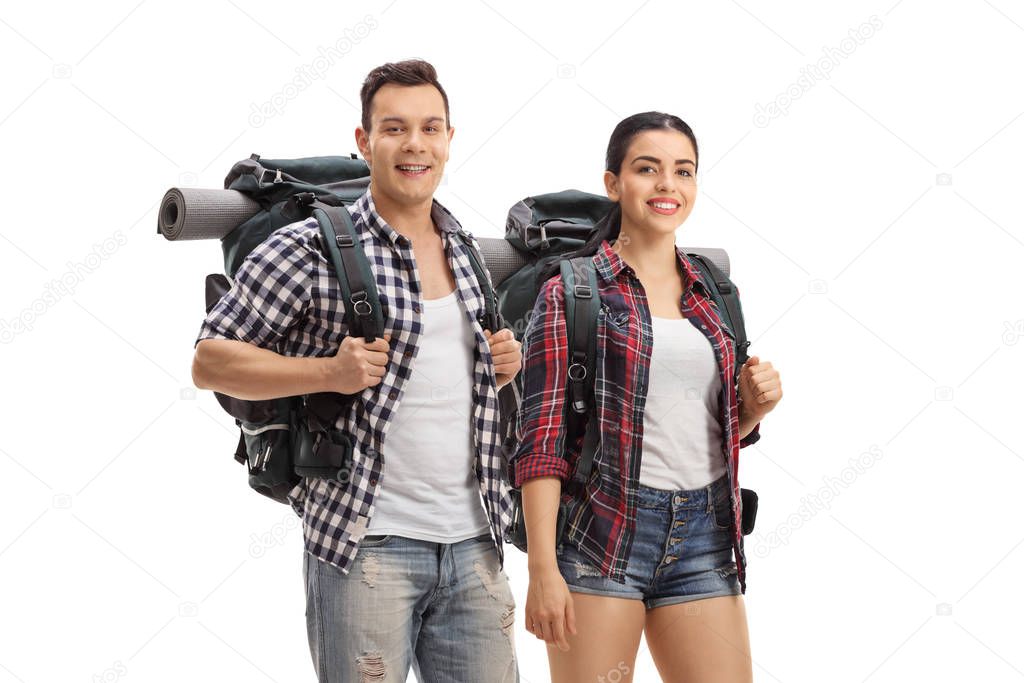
x,y
444,609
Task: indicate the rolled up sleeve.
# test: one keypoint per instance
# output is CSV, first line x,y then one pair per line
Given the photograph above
x,y
541,429
752,437
270,293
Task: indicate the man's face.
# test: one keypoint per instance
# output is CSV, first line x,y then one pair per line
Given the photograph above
x,y
407,145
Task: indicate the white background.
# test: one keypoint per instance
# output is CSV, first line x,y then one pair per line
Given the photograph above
x,y
873,230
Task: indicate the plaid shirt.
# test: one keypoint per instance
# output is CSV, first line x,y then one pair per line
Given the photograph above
x,y
286,297
602,522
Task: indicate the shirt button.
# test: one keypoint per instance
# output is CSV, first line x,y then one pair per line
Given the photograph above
x,y
393,395
373,481
416,308
408,353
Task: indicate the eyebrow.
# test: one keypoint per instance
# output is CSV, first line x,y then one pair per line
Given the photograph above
x,y
658,161
399,119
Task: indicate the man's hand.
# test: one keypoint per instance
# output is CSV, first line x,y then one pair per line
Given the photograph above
x,y
507,355
358,364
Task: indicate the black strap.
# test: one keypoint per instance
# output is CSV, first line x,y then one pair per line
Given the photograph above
x,y
724,294
582,304
358,285
491,318
363,313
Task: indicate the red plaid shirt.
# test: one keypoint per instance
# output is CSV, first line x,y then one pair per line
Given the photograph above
x,y
601,523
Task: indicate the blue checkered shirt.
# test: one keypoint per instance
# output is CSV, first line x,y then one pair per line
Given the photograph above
x,y
285,297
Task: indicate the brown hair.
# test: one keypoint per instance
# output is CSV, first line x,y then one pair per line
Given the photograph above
x,y
408,72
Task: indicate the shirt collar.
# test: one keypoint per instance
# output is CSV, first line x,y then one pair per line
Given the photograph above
x,y
610,266
366,208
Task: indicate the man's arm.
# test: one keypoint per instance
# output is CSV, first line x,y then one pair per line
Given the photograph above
x,y
235,351
246,371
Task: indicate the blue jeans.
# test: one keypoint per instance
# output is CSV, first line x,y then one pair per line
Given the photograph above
x,y
682,550
445,609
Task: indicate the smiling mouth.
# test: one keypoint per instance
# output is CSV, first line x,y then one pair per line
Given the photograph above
x,y
412,170
664,207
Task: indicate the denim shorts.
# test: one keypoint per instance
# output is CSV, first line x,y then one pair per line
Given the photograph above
x,y
681,551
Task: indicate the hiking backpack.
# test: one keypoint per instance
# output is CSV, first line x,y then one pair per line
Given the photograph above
x,y
284,439
545,228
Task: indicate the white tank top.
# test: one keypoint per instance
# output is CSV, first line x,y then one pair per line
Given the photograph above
x,y
429,489
682,445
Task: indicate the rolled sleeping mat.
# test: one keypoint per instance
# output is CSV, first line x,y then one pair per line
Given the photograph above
x,y
201,214
196,214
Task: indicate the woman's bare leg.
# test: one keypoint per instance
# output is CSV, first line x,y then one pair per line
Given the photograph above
x,y
703,640
607,638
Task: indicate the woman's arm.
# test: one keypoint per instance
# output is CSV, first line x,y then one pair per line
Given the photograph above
x,y
541,430
549,608
541,497
750,427
541,463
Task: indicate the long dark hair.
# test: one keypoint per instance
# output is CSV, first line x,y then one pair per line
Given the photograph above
x,y
609,226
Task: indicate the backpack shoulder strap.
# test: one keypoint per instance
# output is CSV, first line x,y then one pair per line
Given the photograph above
x,y
582,305
724,294
358,284
491,318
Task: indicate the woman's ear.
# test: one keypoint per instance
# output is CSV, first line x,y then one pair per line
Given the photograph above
x,y
611,185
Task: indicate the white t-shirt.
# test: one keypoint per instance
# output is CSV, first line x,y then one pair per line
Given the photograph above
x,y
429,489
682,446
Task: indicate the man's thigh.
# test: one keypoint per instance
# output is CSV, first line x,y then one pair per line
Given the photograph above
x,y
363,625
467,629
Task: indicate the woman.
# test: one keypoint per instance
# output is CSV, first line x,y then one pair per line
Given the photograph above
x,y
649,543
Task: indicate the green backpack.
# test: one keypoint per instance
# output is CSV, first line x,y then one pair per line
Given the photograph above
x,y
544,229
282,440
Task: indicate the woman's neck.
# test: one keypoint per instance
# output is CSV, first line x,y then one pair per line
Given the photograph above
x,y
652,256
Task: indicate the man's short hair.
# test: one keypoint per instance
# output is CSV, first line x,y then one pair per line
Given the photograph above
x,y
408,72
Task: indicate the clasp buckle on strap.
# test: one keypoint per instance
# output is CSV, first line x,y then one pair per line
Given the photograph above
x,y
344,240
277,174
581,291
577,372
362,306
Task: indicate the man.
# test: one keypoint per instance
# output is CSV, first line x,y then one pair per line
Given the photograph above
x,y
403,562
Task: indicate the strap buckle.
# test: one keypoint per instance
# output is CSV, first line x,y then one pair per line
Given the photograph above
x,y
277,175
362,306
577,372
581,291
344,240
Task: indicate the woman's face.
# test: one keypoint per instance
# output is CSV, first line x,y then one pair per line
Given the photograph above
x,y
656,185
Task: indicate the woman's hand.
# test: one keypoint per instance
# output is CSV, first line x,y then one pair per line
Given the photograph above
x,y
549,611
760,388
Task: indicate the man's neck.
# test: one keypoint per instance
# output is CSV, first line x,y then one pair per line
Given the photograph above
x,y
410,220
